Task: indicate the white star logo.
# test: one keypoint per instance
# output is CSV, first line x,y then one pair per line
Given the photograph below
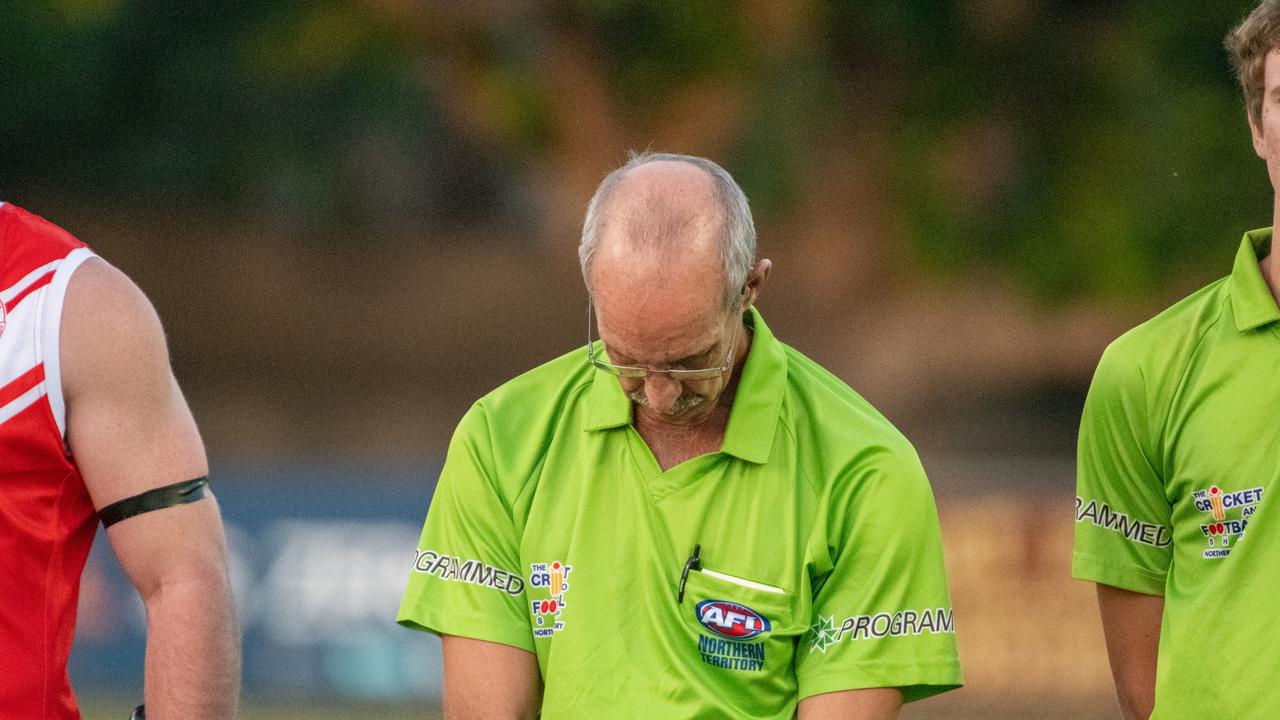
x,y
821,634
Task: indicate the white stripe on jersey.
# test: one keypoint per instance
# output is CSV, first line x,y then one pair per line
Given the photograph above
x,y
20,403
12,291
19,343
49,334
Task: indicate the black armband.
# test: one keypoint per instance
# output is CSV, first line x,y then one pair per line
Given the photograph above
x,y
155,499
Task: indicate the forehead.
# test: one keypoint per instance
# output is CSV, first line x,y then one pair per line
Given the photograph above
x,y
1271,71
659,313
655,327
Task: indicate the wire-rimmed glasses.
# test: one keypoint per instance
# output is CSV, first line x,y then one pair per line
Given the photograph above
x,y
635,372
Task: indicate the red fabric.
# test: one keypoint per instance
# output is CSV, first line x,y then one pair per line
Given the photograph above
x,y
47,519
27,242
22,384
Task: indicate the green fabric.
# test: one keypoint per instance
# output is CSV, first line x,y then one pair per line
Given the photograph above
x,y
814,494
1182,417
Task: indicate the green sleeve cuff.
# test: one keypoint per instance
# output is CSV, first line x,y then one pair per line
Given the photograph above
x,y
441,621
1125,577
916,680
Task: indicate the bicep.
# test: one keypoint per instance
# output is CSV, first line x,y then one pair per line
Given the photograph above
x,y
489,680
128,427
865,704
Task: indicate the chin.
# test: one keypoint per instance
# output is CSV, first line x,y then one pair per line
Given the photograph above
x,y
690,416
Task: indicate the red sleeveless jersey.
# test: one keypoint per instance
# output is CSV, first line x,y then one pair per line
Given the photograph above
x,y
47,521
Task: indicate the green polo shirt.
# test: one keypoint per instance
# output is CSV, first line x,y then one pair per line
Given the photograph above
x,y
553,529
1179,452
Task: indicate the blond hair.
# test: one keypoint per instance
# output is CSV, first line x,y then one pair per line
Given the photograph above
x,y
1248,45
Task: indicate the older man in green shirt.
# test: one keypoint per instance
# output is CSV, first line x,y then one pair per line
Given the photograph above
x,y
687,518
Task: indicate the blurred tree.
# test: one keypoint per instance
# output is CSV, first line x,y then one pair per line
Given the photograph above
x,y
1085,149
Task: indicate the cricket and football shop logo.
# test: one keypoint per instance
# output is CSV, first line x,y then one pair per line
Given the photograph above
x,y
1229,515
553,578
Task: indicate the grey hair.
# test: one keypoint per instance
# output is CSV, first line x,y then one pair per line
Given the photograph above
x,y
738,231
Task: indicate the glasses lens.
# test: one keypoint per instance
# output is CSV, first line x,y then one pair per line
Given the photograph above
x,y
695,375
622,371
596,354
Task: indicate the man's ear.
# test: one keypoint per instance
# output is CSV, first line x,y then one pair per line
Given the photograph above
x,y
756,278
1259,140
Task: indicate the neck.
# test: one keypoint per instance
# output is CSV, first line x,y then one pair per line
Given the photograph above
x,y
1271,272
673,444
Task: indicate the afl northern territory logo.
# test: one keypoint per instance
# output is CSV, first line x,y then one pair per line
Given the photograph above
x,y
731,620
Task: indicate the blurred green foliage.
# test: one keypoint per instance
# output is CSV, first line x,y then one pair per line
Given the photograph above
x,y
1091,148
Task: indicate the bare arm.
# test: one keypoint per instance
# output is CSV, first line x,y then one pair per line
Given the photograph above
x,y
129,431
867,704
1131,624
489,681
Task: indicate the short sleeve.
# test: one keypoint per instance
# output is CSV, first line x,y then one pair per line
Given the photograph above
x,y
882,615
466,579
1122,532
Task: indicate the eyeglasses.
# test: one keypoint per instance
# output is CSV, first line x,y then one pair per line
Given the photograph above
x,y
638,373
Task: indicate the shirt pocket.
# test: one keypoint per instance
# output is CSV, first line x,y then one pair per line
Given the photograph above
x,y
737,608
745,632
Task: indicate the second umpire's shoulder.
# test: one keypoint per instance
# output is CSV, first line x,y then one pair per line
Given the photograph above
x,y
1157,353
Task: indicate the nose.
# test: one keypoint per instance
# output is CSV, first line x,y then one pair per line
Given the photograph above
x,y
661,391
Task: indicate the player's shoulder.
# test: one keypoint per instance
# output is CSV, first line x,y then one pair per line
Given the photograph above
x,y
109,328
104,292
21,226
29,243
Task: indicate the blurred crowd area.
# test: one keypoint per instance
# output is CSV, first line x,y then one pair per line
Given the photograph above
x,y
356,216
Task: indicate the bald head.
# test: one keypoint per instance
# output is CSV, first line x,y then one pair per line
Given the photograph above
x,y
661,212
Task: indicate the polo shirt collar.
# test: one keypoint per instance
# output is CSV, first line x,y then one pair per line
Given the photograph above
x,y
756,406
754,417
609,406
1251,300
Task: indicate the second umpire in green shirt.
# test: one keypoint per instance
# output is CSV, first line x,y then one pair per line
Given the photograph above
x,y
1179,458
686,518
